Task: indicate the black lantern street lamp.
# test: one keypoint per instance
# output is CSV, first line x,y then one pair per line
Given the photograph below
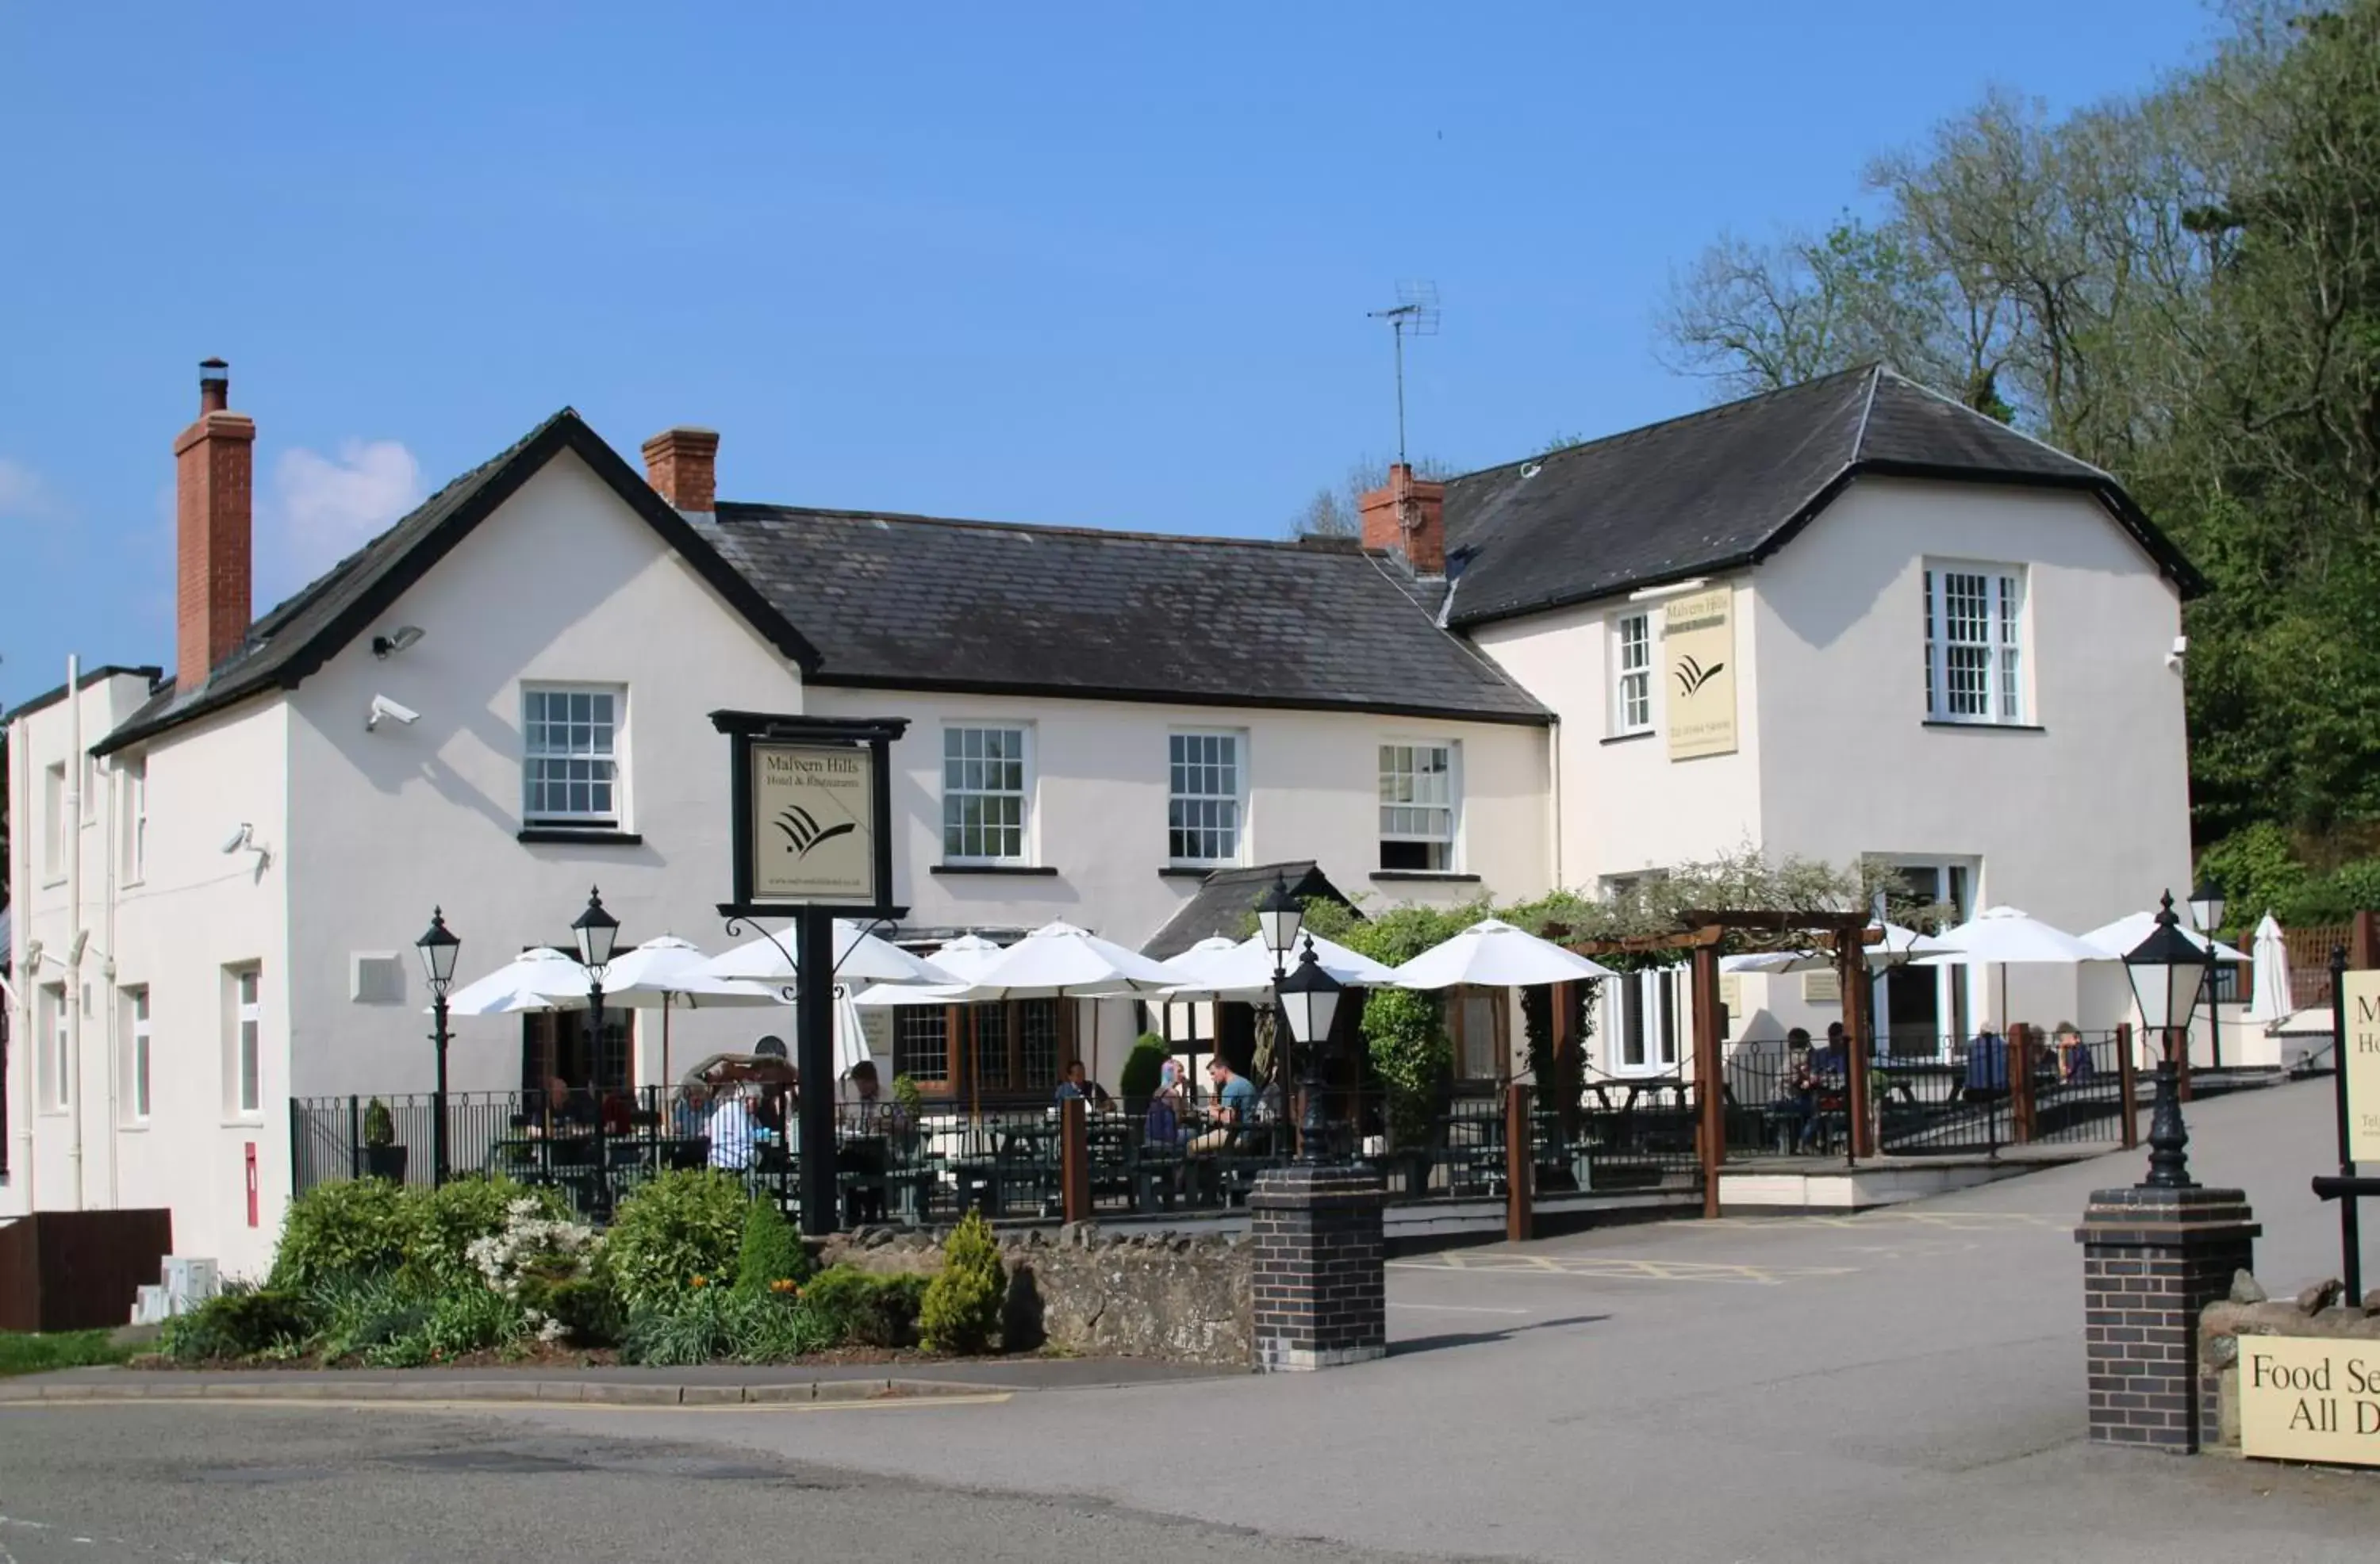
x,y
438,948
1308,999
2166,973
2206,908
1280,915
597,933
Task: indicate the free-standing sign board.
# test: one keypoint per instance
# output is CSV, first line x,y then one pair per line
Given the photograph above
x,y
2305,1398
1698,639
2360,993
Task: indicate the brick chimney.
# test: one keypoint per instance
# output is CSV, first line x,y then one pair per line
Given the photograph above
x,y
213,478
683,467
1406,516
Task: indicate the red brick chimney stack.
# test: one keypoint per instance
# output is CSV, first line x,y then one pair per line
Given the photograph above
x,y
214,482
683,467
1406,516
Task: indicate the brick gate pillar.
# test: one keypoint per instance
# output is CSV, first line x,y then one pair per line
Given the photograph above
x,y
1320,1286
2152,1259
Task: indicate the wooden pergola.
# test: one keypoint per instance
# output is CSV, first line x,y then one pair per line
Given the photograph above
x,y
1846,935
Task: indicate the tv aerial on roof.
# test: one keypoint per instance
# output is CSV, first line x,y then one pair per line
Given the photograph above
x,y
1415,314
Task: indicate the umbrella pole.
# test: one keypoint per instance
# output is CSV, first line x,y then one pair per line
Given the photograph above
x,y
975,1067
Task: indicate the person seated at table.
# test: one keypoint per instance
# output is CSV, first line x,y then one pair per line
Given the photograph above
x,y
735,1131
1832,1064
2072,1053
618,1113
690,1112
860,1102
1798,1092
1235,1104
1163,1126
1078,1084
568,1110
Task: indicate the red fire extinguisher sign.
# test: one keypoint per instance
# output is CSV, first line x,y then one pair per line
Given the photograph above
x,y
253,1215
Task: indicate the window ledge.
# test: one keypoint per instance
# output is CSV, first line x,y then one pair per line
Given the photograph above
x,y
553,836
1043,869
1986,727
1190,871
1453,877
1630,738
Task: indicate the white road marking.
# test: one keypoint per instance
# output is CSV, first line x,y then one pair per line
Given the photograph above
x,y
1457,1308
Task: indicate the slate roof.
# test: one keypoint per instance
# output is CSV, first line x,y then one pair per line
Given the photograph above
x,y
1728,486
297,637
919,602
1228,897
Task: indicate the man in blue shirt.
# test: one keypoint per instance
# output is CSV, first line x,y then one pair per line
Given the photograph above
x,y
1235,1104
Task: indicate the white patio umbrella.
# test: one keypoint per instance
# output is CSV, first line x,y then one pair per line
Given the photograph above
x,y
859,957
2006,937
668,974
1898,945
1242,971
1491,954
1059,961
2275,999
2123,936
540,978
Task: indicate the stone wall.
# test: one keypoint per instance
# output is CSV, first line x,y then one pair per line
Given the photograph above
x,y
1145,1294
2319,1311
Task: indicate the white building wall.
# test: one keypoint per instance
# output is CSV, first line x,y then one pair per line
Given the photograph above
x,y
2078,823
1624,805
563,584
1099,809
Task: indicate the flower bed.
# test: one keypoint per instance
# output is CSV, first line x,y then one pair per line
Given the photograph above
x,y
370,1274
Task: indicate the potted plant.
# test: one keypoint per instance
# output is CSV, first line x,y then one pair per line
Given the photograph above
x,y
383,1158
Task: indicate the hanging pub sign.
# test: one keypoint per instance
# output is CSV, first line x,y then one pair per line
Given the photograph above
x,y
811,801
2359,996
1698,637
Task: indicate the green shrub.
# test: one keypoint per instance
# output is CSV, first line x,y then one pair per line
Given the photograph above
x,y
469,1318
445,1222
355,1314
682,1224
357,1227
380,1126
235,1325
769,1253
1143,1067
961,1309
853,1306
774,1327
38,1352
675,1328
909,1096
586,1310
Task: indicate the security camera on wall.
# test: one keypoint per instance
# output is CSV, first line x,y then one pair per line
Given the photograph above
x,y
239,838
383,706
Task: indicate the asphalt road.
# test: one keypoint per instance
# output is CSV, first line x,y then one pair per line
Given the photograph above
x,y
1904,1384
134,1484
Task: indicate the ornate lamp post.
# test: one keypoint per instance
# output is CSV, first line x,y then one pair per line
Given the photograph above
x,y
1279,916
439,947
597,933
2166,973
1308,999
2206,907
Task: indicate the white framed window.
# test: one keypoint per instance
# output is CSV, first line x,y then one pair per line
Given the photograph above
x,y
570,755
987,785
1632,678
136,822
1645,1021
1419,798
135,1056
1975,643
54,821
57,1030
1203,803
244,1060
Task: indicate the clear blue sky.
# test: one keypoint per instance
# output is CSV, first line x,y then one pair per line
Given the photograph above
x,y
1095,265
